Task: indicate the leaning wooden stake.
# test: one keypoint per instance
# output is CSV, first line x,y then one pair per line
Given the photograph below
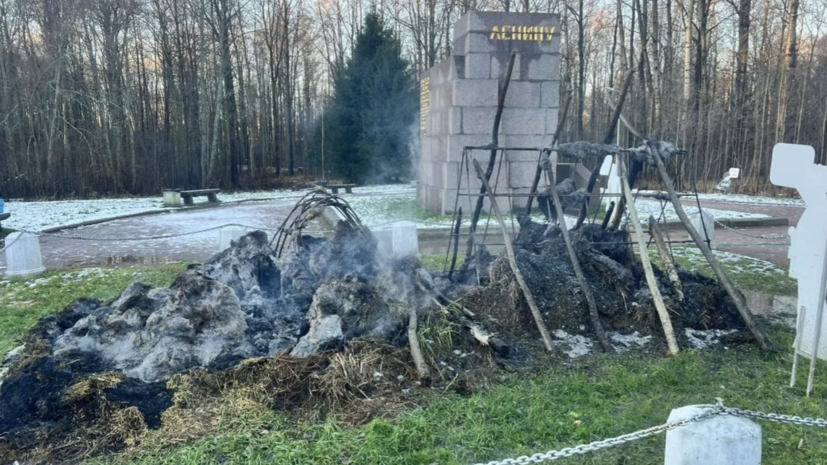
x,y
663,314
512,260
663,252
456,243
416,351
575,263
734,294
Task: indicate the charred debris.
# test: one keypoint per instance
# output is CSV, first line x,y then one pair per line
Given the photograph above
x,y
324,324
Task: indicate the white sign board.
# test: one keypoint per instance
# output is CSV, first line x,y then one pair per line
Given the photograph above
x,y
794,166
613,190
734,173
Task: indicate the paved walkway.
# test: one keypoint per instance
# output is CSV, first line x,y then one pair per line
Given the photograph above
x,y
62,253
752,246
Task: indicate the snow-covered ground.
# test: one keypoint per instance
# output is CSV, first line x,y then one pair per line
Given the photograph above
x,y
36,216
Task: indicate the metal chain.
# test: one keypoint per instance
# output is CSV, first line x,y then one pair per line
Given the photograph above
x,y
754,236
130,239
12,242
775,417
714,410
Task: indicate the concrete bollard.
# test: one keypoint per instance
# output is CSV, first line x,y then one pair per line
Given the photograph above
x,y
384,239
172,198
229,234
23,254
719,440
707,225
405,239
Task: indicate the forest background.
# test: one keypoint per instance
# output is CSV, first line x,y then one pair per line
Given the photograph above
x,y
115,97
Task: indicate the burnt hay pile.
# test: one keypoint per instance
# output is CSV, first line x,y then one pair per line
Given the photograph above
x,y
321,328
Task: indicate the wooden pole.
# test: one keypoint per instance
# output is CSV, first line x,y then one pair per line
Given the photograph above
x,y
663,314
416,350
475,217
734,294
575,264
456,243
610,133
560,123
663,252
512,260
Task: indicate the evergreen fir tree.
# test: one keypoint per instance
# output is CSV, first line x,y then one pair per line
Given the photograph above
x,y
373,112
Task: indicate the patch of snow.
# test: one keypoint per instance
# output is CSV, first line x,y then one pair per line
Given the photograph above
x,y
703,338
625,342
578,345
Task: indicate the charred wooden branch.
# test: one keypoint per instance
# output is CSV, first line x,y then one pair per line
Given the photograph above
x,y
608,215
560,124
456,243
610,134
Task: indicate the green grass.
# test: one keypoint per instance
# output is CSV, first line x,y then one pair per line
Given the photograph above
x,y
746,272
24,301
604,396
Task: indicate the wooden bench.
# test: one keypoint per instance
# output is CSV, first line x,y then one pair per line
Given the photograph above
x,y
211,194
347,187
4,216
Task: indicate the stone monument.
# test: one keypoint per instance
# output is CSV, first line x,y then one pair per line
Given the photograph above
x,y
459,100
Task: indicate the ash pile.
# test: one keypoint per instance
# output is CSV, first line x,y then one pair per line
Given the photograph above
x,y
617,282
304,322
